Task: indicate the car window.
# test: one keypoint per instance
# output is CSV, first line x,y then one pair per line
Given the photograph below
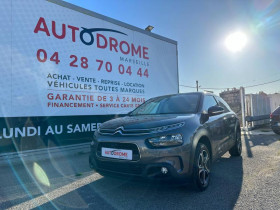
x,y
277,111
208,102
223,104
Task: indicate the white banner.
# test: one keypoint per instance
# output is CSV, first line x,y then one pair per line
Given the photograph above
x,y
56,61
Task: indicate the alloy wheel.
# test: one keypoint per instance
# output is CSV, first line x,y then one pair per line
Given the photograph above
x,y
203,167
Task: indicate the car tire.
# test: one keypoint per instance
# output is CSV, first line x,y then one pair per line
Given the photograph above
x,y
276,131
236,150
201,167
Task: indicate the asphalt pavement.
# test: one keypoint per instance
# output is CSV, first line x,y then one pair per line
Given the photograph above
x,y
63,180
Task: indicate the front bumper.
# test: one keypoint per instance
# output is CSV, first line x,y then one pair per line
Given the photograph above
x,y
149,171
146,162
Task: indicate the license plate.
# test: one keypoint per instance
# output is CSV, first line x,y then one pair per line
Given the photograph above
x,y
116,153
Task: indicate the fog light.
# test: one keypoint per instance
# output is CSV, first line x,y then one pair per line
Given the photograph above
x,y
164,170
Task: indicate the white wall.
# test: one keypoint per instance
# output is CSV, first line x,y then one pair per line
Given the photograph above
x,y
274,101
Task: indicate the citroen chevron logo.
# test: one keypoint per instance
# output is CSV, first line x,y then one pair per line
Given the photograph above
x,y
119,130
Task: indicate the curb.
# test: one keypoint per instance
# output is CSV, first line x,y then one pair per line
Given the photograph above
x,y
257,133
41,154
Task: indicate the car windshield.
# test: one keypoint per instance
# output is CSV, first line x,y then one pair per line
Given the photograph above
x,y
175,104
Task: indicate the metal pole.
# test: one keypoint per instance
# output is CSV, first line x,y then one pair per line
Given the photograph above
x,y
242,95
196,86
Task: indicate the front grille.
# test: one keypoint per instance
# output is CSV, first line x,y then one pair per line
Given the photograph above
x,y
120,167
130,132
121,131
126,146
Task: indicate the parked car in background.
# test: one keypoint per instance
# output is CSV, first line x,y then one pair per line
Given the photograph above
x,y
174,136
275,121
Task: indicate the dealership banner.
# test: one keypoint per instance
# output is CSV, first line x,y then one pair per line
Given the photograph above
x,y
63,62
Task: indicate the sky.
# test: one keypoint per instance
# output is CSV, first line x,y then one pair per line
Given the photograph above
x,y
200,27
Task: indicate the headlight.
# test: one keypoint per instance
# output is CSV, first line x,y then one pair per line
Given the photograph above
x,y
166,141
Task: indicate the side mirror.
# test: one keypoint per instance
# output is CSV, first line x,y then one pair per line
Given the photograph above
x,y
215,110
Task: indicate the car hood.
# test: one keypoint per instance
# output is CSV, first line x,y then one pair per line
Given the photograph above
x,y
145,121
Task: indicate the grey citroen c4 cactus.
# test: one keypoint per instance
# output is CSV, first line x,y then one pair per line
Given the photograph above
x,y
174,136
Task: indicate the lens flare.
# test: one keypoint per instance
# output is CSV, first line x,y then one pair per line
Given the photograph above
x,y
40,175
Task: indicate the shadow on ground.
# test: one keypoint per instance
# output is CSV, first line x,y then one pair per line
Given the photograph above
x,y
112,193
258,140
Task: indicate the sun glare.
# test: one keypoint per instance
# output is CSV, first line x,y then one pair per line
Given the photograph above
x,y
236,41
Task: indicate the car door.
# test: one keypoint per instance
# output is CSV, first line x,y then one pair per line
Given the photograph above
x,y
229,121
215,125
